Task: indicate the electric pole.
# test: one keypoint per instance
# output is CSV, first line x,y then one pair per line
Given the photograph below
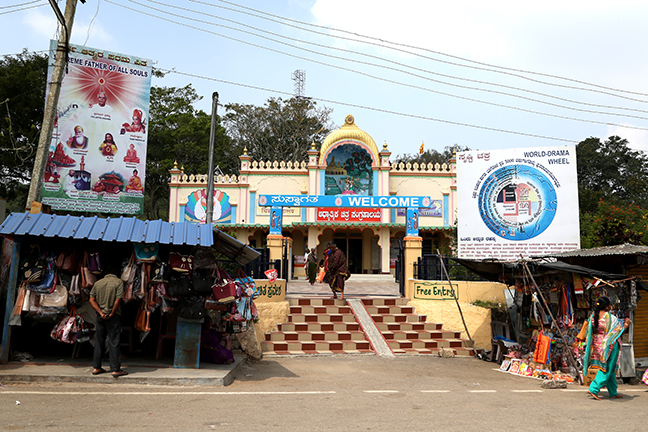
x,y
210,174
49,117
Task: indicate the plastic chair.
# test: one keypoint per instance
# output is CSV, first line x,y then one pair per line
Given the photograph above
x,y
498,349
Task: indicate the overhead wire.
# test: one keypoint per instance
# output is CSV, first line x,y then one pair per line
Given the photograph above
x,y
18,10
504,68
330,101
411,67
348,69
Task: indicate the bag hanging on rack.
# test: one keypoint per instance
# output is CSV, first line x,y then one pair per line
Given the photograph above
x,y
248,284
202,280
179,285
204,258
160,272
67,329
127,272
58,298
181,263
146,252
32,269
192,307
88,279
47,283
68,261
143,319
224,289
94,263
542,353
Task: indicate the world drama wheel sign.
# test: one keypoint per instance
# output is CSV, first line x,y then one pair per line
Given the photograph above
x,y
517,202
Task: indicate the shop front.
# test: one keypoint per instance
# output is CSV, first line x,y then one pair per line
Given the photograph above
x,y
168,272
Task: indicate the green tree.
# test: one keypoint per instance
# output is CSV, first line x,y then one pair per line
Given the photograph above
x,y
279,130
611,171
431,155
22,102
614,224
179,132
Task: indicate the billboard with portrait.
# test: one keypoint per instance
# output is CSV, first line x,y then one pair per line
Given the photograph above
x,y
97,157
516,203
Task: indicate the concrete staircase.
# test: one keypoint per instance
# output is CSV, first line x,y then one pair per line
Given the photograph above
x,y
327,326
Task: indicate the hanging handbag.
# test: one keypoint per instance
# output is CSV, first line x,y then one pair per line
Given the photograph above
x,y
542,353
128,269
88,279
160,272
224,289
68,261
192,307
58,298
202,280
94,263
146,252
47,282
31,270
179,285
250,288
204,258
143,321
181,263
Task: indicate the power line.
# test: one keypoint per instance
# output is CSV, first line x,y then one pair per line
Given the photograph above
x,y
18,10
399,64
503,71
353,70
20,4
370,108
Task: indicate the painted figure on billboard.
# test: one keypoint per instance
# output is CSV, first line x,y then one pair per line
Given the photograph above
x,y
137,125
348,171
78,140
134,183
108,147
131,155
101,106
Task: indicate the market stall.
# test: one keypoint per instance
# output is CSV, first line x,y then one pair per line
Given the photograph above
x,y
174,274
548,304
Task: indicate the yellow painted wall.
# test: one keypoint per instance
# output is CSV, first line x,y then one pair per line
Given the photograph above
x,y
478,319
270,314
468,291
270,292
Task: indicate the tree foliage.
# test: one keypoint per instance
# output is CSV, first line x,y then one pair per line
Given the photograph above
x,y
178,132
613,192
612,171
281,130
431,155
22,102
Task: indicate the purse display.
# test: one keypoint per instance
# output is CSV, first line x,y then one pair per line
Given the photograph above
x,y
179,285
247,284
181,263
146,252
32,269
94,263
224,289
202,280
192,307
58,298
88,278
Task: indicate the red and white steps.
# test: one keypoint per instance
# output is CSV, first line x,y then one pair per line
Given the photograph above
x,y
327,326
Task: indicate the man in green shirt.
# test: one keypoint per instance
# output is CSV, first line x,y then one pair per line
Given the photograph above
x,y
105,297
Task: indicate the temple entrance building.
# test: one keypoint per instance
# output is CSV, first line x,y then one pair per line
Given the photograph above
x,y
348,163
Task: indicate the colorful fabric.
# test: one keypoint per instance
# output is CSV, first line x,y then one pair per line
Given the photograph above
x,y
601,344
606,378
336,270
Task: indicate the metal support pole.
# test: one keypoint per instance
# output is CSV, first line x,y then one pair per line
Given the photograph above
x,y
210,174
49,116
455,297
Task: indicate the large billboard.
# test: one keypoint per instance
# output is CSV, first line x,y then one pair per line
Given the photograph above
x,y
97,157
516,203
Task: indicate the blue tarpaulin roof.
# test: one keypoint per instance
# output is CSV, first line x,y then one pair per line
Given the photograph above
x,y
126,229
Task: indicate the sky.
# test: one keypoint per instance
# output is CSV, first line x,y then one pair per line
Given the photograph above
x,y
483,75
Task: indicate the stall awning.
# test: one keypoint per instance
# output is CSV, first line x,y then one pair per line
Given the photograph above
x,y
494,270
124,229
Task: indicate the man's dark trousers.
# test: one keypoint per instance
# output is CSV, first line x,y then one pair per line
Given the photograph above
x,y
111,329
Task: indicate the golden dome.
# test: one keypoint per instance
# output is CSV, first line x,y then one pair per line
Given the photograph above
x,y
348,131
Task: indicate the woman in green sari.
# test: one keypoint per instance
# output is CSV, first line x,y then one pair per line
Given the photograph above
x,y
602,331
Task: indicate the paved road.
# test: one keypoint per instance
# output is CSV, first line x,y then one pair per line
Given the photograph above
x,y
331,393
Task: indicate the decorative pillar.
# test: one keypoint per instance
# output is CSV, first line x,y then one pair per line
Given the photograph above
x,y
413,251
174,210
246,205
313,156
385,250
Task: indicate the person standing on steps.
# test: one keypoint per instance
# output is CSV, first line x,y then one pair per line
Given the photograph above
x,y
602,332
336,268
105,298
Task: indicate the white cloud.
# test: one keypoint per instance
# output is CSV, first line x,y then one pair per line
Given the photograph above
x,y
41,23
44,25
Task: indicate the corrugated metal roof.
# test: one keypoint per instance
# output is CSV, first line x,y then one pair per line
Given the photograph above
x,y
124,229
120,229
624,249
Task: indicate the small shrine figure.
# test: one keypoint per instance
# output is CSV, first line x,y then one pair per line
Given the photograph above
x,y
134,183
108,146
131,155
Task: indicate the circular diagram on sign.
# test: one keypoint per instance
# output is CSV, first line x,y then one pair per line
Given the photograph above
x,y
517,202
